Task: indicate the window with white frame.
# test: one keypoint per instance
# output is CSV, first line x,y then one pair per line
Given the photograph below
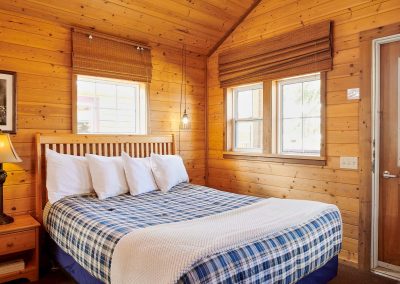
x,y
248,117
107,105
299,115
280,119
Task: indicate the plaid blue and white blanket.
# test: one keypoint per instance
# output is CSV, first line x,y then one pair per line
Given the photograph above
x,y
88,229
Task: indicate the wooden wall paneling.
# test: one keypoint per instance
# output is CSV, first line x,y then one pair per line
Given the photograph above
x,y
344,119
356,15
40,52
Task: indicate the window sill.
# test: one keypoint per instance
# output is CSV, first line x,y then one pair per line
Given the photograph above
x,y
287,159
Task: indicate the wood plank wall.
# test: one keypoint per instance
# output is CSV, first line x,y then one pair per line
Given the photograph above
x,y
40,53
330,183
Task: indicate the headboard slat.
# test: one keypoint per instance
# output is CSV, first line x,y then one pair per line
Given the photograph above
x,y
68,149
106,145
136,149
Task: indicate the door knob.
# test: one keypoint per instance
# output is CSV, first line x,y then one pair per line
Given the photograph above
x,y
387,174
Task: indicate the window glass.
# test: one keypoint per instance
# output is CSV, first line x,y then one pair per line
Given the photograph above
x,y
249,134
248,115
292,117
110,106
300,115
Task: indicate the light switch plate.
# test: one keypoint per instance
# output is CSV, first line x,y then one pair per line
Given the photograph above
x,y
349,163
353,94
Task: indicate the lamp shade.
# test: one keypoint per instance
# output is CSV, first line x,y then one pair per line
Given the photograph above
x,y
7,151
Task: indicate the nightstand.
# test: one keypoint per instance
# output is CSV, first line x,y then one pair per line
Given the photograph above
x,y
20,240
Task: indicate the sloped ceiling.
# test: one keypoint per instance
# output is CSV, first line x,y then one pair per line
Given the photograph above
x,y
199,24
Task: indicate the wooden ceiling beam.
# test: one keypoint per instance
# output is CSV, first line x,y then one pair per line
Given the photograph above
x,y
241,19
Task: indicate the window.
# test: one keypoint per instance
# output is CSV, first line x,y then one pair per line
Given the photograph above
x,y
248,118
299,115
110,106
277,120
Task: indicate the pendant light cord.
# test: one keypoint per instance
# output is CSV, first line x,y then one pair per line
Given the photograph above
x,y
184,47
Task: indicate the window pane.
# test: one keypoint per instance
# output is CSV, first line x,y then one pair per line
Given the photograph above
x,y
244,104
86,89
291,100
292,135
249,102
312,135
248,134
109,106
311,99
300,115
125,98
257,103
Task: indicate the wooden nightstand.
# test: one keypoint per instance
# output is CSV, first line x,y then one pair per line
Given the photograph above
x,y
20,240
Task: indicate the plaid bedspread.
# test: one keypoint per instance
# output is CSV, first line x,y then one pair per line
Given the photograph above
x,y
89,229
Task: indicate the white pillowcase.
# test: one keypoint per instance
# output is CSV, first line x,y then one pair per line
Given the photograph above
x,y
66,175
138,174
168,171
108,175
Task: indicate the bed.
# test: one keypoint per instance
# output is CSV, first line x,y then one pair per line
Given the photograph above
x,y
88,234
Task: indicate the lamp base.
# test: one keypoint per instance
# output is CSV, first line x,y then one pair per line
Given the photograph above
x,y
5,219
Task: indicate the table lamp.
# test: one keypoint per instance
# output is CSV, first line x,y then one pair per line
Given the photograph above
x,y
7,155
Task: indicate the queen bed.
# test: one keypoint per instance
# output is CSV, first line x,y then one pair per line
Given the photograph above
x,y
190,234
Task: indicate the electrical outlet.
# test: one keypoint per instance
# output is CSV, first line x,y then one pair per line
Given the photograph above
x,y
349,163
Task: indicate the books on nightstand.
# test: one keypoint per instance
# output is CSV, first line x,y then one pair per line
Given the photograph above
x,y
12,266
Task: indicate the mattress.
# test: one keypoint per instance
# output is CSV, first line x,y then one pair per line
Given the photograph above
x,y
88,230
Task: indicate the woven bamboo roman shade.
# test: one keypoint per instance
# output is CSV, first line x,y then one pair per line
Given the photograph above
x,y
101,55
302,51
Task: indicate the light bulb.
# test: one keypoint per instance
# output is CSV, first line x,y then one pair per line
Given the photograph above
x,y
185,119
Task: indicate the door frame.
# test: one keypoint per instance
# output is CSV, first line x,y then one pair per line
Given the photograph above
x,y
375,80
370,40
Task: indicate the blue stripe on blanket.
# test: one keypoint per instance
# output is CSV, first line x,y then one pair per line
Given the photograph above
x,y
88,229
283,257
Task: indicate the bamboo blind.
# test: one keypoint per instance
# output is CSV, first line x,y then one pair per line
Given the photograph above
x,y
302,51
100,55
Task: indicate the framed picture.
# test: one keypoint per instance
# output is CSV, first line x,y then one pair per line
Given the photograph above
x,y
8,101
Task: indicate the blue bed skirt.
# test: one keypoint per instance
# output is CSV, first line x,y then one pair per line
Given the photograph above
x,y
320,276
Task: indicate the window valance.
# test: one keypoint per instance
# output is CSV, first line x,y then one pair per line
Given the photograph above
x,y
102,55
301,51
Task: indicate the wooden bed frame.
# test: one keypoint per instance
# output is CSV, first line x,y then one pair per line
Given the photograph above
x,y
105,145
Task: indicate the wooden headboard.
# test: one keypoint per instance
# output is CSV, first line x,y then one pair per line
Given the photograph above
x,y
105,145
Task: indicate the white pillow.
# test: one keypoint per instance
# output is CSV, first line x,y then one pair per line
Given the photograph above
x,y
168,171
66,175
138,174
108,175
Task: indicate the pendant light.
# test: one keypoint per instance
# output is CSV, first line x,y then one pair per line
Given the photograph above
x,y
185,121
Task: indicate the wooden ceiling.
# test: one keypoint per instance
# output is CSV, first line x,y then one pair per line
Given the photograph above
x,y
200,24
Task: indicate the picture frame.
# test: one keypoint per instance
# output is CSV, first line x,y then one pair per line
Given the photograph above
x,y
8,101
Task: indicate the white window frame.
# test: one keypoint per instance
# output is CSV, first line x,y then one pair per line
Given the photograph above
x,y
235,118
278,110
269,151
141,116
